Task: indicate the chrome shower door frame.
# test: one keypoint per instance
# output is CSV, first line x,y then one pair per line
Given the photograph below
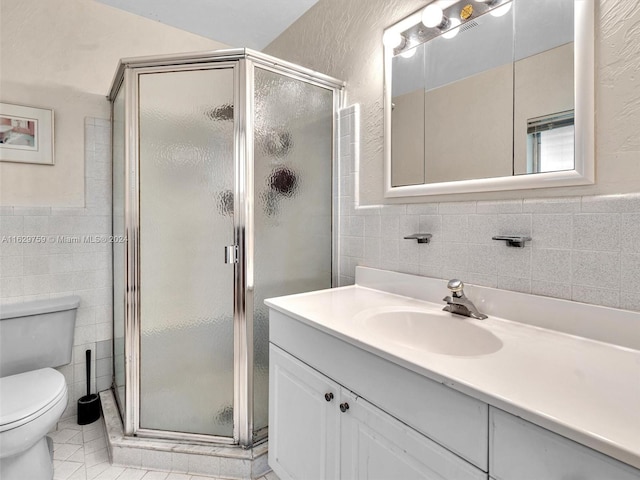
x,y
243,62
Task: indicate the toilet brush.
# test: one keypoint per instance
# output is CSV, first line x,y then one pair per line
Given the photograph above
x,y
89,405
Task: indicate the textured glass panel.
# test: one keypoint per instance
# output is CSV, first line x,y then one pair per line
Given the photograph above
x,y
293,151
119,267
186,180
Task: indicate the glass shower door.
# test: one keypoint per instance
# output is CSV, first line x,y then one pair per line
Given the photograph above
x,y
293,152
186,180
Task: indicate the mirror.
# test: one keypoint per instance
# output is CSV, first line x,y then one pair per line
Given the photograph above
x,y
489,97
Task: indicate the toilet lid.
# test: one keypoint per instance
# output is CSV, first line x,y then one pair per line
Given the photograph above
x,y
29,394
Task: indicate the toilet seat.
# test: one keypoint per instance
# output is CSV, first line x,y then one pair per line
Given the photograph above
x,y
26,396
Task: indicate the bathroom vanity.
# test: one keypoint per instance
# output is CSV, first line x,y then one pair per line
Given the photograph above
x,y
375,381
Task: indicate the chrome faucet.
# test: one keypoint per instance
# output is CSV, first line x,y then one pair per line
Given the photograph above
x,y
458,303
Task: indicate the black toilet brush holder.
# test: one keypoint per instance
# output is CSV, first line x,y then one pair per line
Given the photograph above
x,y
89,405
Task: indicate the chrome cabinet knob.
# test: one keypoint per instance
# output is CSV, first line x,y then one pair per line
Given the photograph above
x,y
344,407
328,396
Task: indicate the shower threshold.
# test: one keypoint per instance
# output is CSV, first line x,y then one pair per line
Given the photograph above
x,y
214,460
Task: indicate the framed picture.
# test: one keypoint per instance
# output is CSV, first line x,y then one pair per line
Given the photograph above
x,y
26,134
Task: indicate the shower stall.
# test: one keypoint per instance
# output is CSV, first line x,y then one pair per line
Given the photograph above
x,y
222,197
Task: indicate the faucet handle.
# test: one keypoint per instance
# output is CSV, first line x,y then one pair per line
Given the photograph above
x,y
455,285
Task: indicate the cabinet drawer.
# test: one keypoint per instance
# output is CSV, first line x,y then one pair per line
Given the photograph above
x,y
450,418
520,450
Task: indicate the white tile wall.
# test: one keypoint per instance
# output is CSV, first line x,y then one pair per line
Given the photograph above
x,y
57,268
585,249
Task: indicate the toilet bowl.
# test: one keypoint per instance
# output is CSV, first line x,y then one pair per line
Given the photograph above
x,y
30,405
34,336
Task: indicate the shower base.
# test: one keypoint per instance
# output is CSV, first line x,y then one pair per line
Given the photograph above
x,y
220,461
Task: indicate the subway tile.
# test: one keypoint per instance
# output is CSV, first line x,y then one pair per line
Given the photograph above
x,y
409,224
624,203
595,296
594,231
455,228
36,226
390,226
513,261
630,275
11,226
372,226
630,232
455,256
499,206
482,228
104,331
422,209
357,226
551,289
32,211
549,265
61,263
483,259
514,224
431,270
431,256
409,251
630,300
394,210
10,249
456,208
11,266
552,231
596,269
522,285
390,250
551,205
36,284
471,278
431,224
11,287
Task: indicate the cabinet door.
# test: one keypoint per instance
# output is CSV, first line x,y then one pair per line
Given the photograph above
x,y
377,446
304,428
520,450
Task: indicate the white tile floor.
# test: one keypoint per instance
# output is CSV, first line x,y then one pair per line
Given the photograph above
x,y
80,453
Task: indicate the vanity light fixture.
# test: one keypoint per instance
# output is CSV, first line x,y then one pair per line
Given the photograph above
x,y
453,30
408,53
501,10
392,39
433,16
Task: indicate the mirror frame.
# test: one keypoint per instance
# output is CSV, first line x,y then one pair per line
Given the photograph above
x,y
584,75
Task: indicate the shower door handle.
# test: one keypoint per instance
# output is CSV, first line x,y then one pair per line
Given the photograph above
x,y
231,254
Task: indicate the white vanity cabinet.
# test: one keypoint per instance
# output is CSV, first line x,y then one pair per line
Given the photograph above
x,y
302,403
520,450
320,430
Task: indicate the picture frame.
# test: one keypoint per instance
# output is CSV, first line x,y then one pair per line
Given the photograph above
x,y
26,134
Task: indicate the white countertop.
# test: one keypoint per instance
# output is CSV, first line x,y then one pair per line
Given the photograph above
x,y
583,389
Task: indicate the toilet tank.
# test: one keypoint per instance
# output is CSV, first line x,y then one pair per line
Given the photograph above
x,y
37,334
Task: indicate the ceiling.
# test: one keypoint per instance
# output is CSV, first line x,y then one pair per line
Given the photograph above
x,y
238,23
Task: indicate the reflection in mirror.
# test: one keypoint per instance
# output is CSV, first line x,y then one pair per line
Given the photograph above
x,y
489,94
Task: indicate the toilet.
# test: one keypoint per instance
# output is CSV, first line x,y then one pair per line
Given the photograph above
x,y
34,337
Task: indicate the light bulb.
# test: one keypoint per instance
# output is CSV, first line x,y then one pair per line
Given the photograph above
x,y
392,39
432,16
453,31
501,10
409,53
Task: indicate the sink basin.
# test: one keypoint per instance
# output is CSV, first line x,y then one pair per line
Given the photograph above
x,y
434,331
